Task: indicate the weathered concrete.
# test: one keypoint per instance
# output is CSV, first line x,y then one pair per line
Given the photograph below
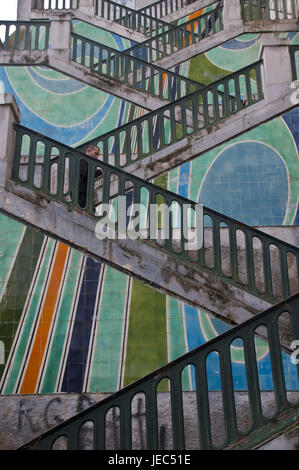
x,y
134,257
288,441
277,101
187,10
25,417
200,142
9,113
210,42
233,27
91,19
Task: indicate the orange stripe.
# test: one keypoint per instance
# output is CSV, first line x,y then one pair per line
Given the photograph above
x,y
194,15
40,341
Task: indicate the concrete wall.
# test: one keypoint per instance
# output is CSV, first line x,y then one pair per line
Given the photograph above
x,y
24,418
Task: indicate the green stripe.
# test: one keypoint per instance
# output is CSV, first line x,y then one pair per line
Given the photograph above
x,y
147,337
109,335
28,323
14,299
176,336
11,233
62,324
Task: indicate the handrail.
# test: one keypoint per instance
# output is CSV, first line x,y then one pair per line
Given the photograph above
x,y
52,170
159,129
180,37
25,35
271,10
130,18
165,7
136,72
260,428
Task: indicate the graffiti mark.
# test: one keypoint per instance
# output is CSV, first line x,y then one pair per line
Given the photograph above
x,y
25,409
57,419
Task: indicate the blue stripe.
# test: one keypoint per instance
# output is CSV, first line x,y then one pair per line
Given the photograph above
x,y
194,335
78,350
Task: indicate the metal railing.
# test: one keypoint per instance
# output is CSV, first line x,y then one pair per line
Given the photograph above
x,y
268,10
137,73
24,35
159,129
294,52
261,426
179,37
130,18
268,267
55,4
165,7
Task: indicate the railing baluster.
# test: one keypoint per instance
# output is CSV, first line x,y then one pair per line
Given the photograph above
x,y
252,380
276,366
151,416
229,407
203,407
177,410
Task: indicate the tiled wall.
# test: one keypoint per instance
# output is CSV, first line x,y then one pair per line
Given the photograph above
x,y
70,324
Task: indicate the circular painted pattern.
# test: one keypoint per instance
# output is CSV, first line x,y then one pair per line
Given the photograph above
x,y
248,181
61,107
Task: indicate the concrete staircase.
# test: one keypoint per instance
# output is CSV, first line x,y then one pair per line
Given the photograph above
x,y
234,273
214,420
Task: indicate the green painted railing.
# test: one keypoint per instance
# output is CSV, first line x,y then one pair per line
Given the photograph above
x,y
161,128
268,10
180,37
130,18
261,426
294,52
25,35
133,71
55,4
165,7
53,170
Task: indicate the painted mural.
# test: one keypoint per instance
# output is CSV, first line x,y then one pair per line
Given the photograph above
x,y
70,324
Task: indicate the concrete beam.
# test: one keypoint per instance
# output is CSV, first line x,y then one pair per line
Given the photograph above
x,y
92,20
24,10
156,268
58,59
187,10
25,418
276,90
220,38
10,114
200,142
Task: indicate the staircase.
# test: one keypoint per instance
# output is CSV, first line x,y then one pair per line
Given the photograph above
x,y
212,262
187,118
69,435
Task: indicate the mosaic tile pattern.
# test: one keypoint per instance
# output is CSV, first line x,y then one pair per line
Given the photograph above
x,y
69,324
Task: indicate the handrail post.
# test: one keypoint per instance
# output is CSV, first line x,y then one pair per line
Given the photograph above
x,y
9,114
276,51
60,39
232,17
24,9
87,7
